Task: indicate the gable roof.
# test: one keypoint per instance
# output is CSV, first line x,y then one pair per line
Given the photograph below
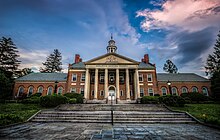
x,y
80,65
143,65
115,54
180,77
60,77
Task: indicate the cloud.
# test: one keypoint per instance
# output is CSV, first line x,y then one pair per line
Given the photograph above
x,y
192,15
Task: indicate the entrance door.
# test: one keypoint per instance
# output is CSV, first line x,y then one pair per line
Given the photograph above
x,y
111,95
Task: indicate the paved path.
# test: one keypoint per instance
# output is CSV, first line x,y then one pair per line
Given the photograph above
x,y
49,131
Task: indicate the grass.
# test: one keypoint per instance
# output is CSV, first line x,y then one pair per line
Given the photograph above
x,y
209,113
11,113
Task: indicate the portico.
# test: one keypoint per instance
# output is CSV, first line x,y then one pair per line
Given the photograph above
x,y
102,80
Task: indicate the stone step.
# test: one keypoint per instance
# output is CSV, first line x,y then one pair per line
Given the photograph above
x,y
109,121
109,118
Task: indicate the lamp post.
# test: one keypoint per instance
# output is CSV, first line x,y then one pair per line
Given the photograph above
x,y
55,88
169,85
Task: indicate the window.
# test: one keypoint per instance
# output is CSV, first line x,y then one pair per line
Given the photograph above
x,y
150,91
74,77
164,91
101,80
73,90
30,90
111,78
101,93
60,90
184,90
205,91
82,91
174,91
141,92
194,89
121,79
92,92
149,77
121,93
49,90
92,80
83,77
20,91
131,93
40,89
140,77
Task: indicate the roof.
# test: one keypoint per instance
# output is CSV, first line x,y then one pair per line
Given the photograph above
x,y
79,65
115,54
143,65
60,77
180,77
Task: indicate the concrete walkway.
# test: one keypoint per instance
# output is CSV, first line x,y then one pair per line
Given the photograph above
x,y
94,131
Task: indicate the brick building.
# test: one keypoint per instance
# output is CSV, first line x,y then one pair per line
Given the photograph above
x,y
111,77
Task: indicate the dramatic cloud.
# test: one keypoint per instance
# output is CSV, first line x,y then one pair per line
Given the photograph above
x,y
192,15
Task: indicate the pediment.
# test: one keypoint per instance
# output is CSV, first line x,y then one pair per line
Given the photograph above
x,y
112,58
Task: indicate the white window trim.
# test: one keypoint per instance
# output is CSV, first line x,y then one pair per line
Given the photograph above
x,y
121,93
195,88
176,90
184,88
72,77
142,77
142,89
29,90
82,77
162,91
150,76
59,89
149,91
49,90
38,89
207,92
73,89
19,90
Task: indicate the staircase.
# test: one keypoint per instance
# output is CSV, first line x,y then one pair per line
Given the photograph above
x,y
133,113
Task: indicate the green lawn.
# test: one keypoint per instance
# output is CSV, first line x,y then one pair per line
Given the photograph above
x,y
16,112
209,113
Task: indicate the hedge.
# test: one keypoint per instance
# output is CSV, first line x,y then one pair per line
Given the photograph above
x,y
149,100
195,97
172,100
52,100
77,96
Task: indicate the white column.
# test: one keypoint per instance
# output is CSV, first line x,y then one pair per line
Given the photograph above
x,y
86,84
96,83
127,85
106,83
137,83
117,84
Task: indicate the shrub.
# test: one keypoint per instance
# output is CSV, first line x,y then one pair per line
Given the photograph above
x,y
31,100
72,101
77,96
149,100
172,100
157,95
37,94
6,119
52,100
195,97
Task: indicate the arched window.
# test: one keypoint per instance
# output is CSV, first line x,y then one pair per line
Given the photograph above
x,y
194,89
164,91
40,89
205,91
49,90
20,91
184,90
174,91
30,90
60,90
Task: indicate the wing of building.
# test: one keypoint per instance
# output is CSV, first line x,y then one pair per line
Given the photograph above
x,y
111,77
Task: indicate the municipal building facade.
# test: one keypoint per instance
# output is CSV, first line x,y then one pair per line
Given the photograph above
x,y
111,77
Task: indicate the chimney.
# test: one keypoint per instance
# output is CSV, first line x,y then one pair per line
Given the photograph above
x,y
145,59
77,58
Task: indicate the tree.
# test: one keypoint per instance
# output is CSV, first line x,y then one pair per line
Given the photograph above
x,y
6,85
53,62
213,68
170,67
8,55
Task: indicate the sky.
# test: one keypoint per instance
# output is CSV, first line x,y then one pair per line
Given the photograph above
x,y
183,31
